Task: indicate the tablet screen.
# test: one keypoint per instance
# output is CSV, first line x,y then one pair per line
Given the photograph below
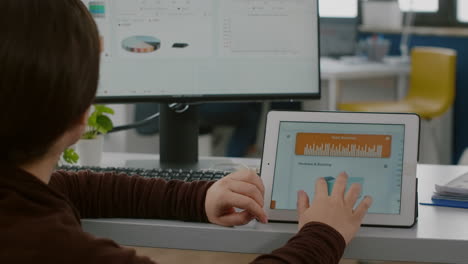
x,y
371,154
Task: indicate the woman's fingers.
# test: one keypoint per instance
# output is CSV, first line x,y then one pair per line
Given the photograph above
x,y
353,195
236,219
246,189
361,209
340,185
321,188
246,203
249,176
302,202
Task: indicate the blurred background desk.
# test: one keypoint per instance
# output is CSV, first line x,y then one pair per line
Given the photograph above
x,y
351,80
335,72
342,81
440,236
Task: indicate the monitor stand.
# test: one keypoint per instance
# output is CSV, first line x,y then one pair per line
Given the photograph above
x,y
179,142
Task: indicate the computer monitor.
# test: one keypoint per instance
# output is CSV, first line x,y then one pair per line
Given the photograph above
x,y
190,51
338,36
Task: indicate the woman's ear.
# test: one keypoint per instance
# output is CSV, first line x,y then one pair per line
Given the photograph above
x,y
72,135
83,120
101,42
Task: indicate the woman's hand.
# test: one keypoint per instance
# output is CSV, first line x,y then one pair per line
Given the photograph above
x,y
243,190
336,210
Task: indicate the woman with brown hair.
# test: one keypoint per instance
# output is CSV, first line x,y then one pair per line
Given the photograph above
x,y
49,69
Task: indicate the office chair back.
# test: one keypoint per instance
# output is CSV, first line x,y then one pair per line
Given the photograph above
x,y
432,81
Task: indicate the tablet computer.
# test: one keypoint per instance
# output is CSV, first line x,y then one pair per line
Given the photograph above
x,y
377,150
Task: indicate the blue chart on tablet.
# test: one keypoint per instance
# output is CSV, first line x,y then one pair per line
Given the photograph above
x,y
371,154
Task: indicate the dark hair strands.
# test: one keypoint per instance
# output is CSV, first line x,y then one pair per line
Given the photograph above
x,y
49,69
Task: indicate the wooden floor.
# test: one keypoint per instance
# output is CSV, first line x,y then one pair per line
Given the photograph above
x,y
176,256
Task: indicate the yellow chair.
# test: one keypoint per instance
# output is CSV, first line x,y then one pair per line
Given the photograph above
x,y
432,86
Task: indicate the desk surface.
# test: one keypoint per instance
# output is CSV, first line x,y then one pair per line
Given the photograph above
x,y
441,234
333,68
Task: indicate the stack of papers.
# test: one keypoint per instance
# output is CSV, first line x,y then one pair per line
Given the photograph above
x,y
452,194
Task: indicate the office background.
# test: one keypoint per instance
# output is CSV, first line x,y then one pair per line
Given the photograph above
x,y
433,23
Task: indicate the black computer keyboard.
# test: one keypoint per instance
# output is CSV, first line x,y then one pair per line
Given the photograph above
x,y
167,174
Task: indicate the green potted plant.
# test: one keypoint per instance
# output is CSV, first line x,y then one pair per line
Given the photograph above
x,y
69,156
90,147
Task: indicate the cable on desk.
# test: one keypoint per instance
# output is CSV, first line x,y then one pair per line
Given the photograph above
x,y
136,124
177,107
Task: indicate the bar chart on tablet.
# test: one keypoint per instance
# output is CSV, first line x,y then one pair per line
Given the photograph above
x,y
343,145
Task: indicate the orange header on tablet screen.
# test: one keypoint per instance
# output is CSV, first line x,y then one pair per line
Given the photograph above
x,y
343,145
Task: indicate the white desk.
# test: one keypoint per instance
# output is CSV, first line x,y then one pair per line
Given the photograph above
x,y
336,71
441,234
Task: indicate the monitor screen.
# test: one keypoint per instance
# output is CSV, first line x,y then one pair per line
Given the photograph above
x,y
204,50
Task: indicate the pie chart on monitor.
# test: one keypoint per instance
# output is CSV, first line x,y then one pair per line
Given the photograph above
x,y
141,44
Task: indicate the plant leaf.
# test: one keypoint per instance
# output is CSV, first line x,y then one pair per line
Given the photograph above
x,y
92,119
70,156
98,122
104,124
104,109
89,135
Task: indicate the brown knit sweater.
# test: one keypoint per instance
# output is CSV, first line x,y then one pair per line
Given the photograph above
x,y
40,223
